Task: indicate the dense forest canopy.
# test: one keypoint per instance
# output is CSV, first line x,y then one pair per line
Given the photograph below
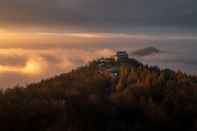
x,y
91,98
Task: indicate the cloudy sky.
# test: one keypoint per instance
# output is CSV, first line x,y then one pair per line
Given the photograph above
x,y
41,38
98,14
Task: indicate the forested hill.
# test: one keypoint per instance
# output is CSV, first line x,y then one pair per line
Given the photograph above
x,y
104,96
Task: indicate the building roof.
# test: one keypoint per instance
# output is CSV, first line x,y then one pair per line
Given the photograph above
x,y
121,52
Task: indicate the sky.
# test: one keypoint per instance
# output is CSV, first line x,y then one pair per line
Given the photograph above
x,y
98,14
42,38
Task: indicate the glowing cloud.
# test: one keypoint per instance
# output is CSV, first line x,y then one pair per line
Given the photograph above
x,y
33,66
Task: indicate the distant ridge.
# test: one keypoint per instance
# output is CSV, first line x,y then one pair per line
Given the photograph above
x,y
146,51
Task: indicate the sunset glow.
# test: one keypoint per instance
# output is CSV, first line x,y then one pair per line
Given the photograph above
x,y
32,67
38,37
9,37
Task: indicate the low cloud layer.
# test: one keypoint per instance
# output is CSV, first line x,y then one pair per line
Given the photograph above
x,y
32,65
25,64
31,56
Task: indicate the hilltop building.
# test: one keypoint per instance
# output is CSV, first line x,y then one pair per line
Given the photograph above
x,y
110,66
121,56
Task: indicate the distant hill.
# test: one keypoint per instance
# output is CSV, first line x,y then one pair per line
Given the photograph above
x,y
146,51
91,98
